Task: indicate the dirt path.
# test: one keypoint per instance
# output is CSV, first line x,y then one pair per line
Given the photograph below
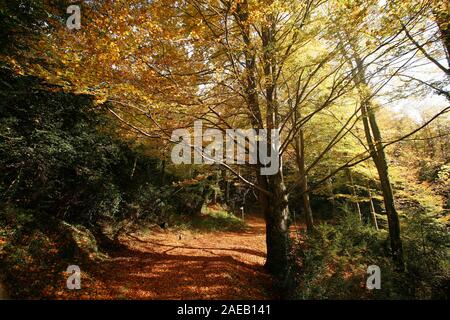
x,y
3,294
186,265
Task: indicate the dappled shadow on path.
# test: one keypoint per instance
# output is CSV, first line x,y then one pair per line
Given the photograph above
x,y
171,247
185,265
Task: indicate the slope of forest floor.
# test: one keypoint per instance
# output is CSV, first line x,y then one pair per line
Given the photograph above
x,y
182,264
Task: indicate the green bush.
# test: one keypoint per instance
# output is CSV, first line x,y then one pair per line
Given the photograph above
x,y
59,157
217,219
332,262
427,254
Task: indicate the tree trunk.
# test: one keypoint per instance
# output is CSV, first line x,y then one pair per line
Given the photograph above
x,y
163,172
391,212
330,190
355,195
274,203
276,214
373,214
306,204
379,158
374,141
442,16
303,181
226,187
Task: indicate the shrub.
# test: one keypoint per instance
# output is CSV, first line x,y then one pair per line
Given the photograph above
x,y
35,253
332,262
426,247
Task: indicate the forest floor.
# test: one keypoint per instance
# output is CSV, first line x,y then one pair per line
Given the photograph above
x,y
183,264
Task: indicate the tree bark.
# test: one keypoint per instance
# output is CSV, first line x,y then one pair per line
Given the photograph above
x,y
226,187
274,204
303,181
373,214
330,190
355,195
374,141
163,172
442,16
276,214
379,158
391,212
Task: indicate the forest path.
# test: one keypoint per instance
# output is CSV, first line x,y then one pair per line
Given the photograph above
x,y
172,264
3,294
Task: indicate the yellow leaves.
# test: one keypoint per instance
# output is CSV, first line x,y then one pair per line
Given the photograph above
x,y
100,99
15,65
193,34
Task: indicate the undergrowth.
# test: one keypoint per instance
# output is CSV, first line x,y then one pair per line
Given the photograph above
x,y
332,262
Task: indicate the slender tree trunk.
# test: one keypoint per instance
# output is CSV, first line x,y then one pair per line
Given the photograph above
x,y
134,168
330,190
379,158
226,186
429,141
303,181
388,195
391,212
374,141
373,214
306,204
163,172
442,147
355,195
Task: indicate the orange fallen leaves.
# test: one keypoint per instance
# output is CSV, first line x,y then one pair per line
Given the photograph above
x,y
158,265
